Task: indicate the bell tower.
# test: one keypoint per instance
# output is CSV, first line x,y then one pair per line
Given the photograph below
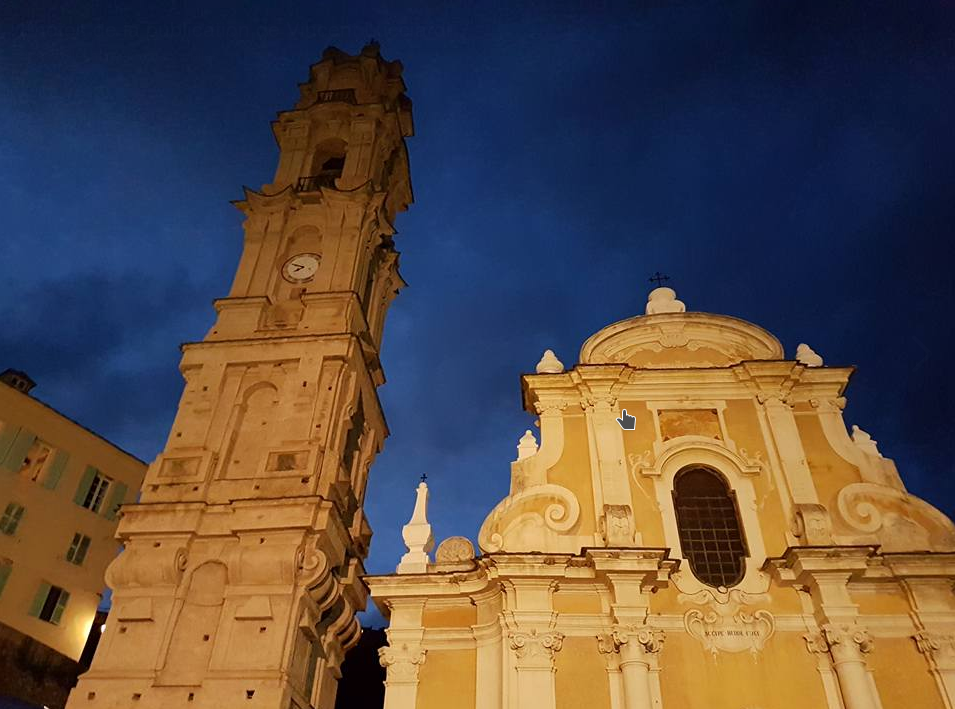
x,y
240,578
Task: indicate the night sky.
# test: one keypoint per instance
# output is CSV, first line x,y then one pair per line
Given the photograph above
x,y
789,163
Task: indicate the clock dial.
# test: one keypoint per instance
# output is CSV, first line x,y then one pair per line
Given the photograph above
x,y
301,268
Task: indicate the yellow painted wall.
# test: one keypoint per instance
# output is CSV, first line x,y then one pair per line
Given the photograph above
x,y
573,470
447,680
881,601
462,616
646,515
782,676
830,471
581,679
38,548
584,601
902,675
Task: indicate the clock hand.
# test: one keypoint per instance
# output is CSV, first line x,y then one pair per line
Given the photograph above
x,y
297,266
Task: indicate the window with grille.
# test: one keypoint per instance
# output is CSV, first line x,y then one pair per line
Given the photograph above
x,y
78,548
11,518
711,534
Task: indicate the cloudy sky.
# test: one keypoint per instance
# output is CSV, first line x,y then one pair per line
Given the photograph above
x,y
789,163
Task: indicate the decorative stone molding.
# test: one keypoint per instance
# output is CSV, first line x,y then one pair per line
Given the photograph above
x,y
402,663
893,518
663,300
807,355
720,341
844,642
726,624
535,649
527,520
812,524
643,639
939,647
454,550
616,525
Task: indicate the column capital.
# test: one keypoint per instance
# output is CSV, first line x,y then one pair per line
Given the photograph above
x,y
631,639
535,649
938,647
402,662
845,642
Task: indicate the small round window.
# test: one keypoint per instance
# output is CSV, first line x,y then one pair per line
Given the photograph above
x,y
711,535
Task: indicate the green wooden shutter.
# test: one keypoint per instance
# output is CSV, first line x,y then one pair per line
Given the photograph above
x,y
5,570
116,497
39,599
7,435
55,471
15,456
81,550
85,483
60,606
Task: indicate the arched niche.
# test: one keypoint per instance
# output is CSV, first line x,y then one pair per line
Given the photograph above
x,y
255,411
193,636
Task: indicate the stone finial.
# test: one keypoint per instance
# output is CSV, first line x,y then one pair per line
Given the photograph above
x,y
417,536
807,355
865,442
663,300
527,446
549,364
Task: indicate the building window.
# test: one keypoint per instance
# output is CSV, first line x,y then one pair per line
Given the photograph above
x,y
711,534
11,519
36,459
49,603
78,549
96,492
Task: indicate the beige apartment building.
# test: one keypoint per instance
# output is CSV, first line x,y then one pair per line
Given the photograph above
x,y
61,487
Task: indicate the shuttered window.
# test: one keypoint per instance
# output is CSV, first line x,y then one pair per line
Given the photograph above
x,y
78,548
11,518
49,603
711,535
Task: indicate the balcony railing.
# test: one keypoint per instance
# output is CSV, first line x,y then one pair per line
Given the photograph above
x,y
343,95
311,183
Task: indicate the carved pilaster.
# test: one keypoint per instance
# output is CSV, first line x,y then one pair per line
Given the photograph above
x,y
402,663
633,650
939,648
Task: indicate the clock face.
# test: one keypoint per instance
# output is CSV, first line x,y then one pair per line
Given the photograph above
x,y
301,268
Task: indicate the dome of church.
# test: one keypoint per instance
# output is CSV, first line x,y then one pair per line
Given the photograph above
x,y
668,337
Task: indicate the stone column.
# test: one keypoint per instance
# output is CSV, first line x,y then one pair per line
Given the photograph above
x,y
401,683
636,648
534,652
847,645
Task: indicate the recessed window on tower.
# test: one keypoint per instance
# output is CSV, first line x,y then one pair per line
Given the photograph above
x,y
711,535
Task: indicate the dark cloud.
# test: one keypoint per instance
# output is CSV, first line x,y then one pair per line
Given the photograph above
x,y
789,163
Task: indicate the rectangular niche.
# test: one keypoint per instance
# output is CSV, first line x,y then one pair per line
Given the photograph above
x,y
287,462
690,422
180,467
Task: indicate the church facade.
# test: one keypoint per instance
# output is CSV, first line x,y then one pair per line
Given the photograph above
x,y
696,528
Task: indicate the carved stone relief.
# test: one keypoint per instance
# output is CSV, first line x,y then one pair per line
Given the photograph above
x,y
727,624
402,662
